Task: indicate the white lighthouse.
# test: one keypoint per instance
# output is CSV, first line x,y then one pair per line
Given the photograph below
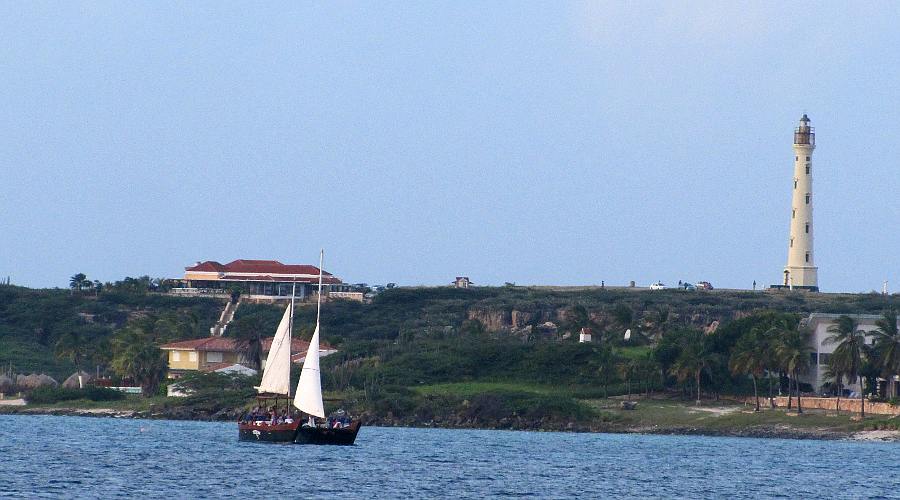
x,y
801,271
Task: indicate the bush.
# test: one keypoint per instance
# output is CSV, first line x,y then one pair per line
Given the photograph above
x,y
49,395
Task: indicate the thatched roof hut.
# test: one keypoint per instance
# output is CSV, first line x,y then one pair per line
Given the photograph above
x,y
7,384
73,383
34,381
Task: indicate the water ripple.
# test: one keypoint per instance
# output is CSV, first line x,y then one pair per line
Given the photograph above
x,y
55,457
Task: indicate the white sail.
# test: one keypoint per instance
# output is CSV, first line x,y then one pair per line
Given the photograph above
x,y
308,398
309,389
276,377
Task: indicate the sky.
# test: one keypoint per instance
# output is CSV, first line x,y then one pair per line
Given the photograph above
x,y
526,142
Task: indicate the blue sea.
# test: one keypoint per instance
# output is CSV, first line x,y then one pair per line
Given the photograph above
x,y
66,457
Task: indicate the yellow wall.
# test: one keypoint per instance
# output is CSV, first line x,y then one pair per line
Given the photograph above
x,y
227,357
184,362
203,276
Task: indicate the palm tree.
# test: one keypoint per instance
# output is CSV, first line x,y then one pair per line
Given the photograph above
x,y
850,351
887,344
693,359
136,357
792,352
748,358
606,367
144,363
768,338
834,372
77,281
627,369
248,331
71,345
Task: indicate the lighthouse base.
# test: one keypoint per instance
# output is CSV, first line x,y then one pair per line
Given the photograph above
x,y
801,288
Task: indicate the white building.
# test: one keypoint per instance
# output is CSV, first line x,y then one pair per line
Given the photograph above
x,y
819,323
801,271
585,335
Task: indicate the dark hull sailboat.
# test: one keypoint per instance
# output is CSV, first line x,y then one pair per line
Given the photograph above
x,y
320,435
264,432
273,427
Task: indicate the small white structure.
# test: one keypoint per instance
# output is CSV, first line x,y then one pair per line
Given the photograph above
x,y
462,282
238,369
585,335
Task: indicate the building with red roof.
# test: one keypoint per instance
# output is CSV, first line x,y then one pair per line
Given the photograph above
x,y
256,278
212,353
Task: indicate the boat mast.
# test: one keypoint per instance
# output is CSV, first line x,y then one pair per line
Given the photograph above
x,y
290,344
319,304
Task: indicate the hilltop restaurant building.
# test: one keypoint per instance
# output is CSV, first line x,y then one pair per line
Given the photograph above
x,y
256,278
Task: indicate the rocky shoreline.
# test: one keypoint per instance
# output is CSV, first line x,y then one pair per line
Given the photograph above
x,y
760,431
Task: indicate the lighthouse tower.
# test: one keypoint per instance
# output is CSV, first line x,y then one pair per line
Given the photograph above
x,y
801,271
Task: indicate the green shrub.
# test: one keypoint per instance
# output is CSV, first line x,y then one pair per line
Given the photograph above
x,y
49,395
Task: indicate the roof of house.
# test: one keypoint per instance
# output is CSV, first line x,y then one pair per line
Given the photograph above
x,y
204,344
227,344
262,267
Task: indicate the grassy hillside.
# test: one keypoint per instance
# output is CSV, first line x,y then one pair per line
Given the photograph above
x,y
33,323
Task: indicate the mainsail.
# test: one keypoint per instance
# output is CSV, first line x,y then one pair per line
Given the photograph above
x,y
308,398
276,377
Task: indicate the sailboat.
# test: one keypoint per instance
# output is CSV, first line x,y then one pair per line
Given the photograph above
x,y
269,421
338,428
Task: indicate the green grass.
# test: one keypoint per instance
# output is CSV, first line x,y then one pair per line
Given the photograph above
x,y
674,413
132,402
468,389
636,352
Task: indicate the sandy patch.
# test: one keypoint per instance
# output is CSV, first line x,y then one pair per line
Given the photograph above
x,y
717,411
876,436
12,402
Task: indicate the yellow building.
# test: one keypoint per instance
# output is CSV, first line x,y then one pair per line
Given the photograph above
x,y
213,353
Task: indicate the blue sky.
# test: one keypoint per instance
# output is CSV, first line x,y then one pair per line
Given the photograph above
x,y
530,142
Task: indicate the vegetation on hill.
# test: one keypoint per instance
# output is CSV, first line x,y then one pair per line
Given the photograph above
x,y
475,357
53,331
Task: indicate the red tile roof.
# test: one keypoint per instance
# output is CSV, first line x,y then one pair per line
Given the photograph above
x,y
226,344
208,344
263,267
208,266
326,279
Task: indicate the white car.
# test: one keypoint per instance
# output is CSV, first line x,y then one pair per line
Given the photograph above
x,y
659,285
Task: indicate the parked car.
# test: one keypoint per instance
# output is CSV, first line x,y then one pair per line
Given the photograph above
x,y
704,285
687,286
659,285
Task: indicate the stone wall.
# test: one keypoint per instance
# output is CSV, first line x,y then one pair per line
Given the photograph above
x,y
851,405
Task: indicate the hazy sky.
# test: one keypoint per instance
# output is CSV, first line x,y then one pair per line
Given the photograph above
x,y
537,143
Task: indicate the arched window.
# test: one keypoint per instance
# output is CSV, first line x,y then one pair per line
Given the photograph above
x,y
793,213
807,198
792,242
807,228
795,183
807,256
807,169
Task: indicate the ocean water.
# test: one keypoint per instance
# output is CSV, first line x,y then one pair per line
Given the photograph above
x,y
46,456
